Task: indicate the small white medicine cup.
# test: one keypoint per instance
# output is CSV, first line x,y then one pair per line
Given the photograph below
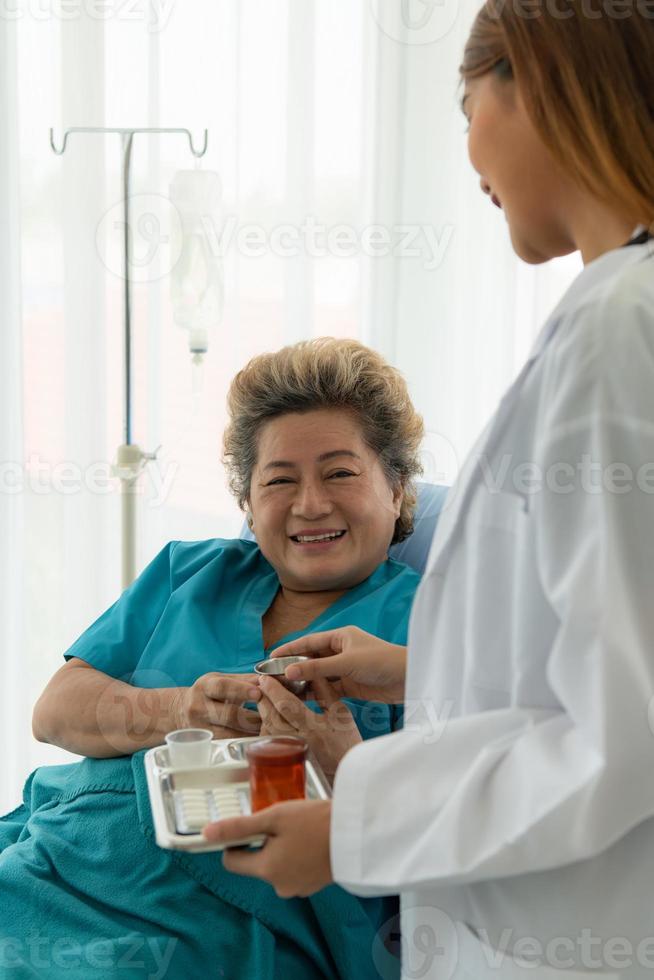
x,y
189,747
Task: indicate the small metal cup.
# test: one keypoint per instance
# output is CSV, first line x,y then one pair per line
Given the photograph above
x,y
275,667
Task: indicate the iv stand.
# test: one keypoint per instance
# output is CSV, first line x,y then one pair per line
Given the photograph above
x,y
131,460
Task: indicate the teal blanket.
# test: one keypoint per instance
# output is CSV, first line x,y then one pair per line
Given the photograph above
x,y
86,893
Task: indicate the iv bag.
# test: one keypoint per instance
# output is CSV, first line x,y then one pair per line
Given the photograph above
x,y
197,288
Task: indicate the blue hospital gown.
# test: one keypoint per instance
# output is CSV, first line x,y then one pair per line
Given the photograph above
x,y
86,893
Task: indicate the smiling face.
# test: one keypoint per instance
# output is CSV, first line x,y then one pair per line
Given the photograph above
x,y
517,170
315,477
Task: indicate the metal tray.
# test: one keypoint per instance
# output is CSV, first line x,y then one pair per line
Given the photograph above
x,y
182,800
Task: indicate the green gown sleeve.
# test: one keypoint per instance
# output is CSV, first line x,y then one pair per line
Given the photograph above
x,y
115,642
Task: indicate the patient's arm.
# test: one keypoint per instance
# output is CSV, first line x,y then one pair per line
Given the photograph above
x,y
86,711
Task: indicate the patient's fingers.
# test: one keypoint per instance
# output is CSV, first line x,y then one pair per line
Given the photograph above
x,y
232,716
219,731
289,707
204,712
272,722
324,692
228,687
284,700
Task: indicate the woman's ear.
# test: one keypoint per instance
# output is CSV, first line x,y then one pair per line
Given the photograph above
x,y
398,499
248,516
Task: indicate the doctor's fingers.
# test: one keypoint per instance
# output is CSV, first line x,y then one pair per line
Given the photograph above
x,y
334,669
324,644
295,857
267,865
241,861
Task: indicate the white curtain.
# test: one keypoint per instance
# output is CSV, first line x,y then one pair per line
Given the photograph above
x,y
349,209
459,312
14,696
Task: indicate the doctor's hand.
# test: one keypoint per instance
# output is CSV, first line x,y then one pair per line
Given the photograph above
x,y
362,665
330,734
295,857
216,701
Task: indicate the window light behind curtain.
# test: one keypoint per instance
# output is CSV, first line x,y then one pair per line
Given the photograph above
x,y
319,119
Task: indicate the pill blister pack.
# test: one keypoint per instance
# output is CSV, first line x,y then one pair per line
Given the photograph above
x,y
196,807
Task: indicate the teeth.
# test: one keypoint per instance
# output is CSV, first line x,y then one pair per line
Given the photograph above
x,y
319,537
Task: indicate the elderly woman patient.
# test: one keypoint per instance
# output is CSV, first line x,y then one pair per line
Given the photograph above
x,y
321,451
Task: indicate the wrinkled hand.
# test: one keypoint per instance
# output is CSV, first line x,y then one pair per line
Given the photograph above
x,y
330,735
216,701
362,665
295,857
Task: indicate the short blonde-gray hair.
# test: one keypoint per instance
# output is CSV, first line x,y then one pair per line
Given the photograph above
x,y
327,373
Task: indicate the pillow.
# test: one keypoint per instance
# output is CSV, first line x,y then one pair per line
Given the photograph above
x,y
414,551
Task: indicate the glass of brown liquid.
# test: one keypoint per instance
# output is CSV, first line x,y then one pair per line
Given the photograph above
x,y
277,770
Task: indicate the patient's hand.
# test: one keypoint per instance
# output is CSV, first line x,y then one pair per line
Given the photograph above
x,y
216,701
330,735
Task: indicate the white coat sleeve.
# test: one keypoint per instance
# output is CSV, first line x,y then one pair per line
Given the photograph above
x,y
523,789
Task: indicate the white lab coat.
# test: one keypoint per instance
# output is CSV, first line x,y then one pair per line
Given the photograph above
x,y
523,820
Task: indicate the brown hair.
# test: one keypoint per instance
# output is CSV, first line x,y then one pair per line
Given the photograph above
x,y
586,76
327,373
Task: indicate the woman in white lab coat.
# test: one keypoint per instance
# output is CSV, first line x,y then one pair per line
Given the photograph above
x,y
520,828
